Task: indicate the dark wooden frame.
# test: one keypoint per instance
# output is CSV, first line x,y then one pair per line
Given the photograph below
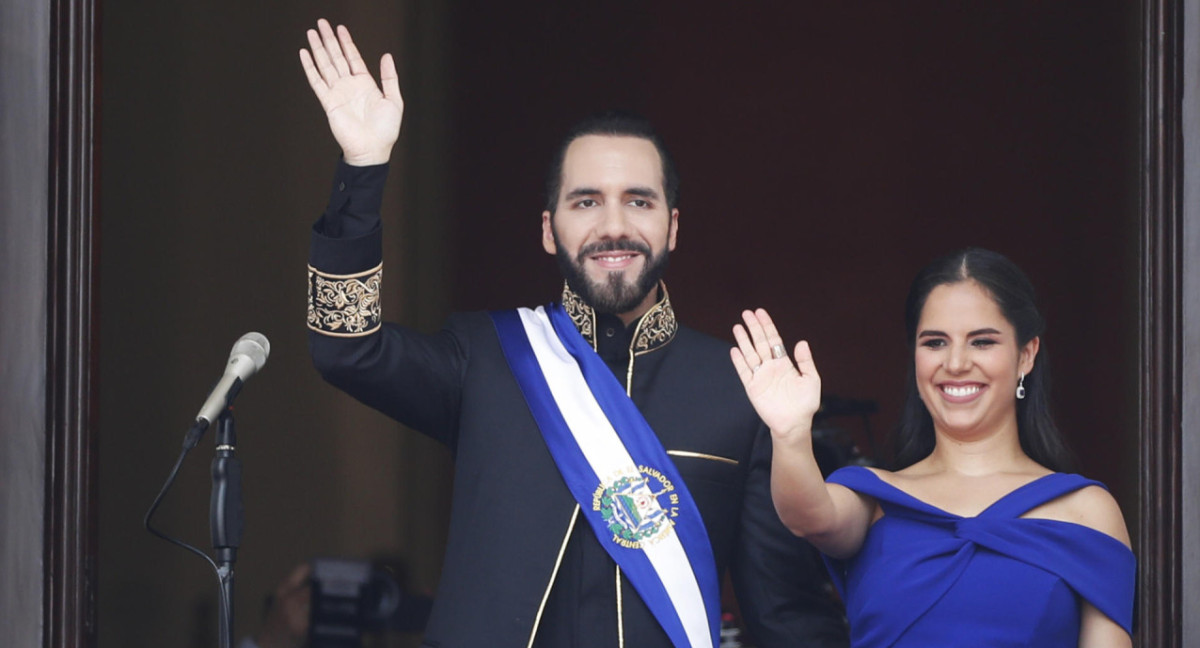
x,y
1159,535
71,519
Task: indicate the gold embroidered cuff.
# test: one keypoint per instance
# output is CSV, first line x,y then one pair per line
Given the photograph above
x,y
344,305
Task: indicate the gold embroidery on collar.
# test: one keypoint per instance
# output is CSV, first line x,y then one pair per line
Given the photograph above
x,y
581,313
656,327
344,305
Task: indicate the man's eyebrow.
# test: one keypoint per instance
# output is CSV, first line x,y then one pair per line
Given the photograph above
x,y
580,192
644,192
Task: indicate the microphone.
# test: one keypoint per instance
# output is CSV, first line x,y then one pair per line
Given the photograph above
x,y
247,358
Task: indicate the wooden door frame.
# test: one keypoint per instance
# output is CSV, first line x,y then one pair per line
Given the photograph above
x,y
71,520
1160,435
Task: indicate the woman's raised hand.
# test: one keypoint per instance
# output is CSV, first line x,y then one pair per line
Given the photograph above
x,y
785,394
365,120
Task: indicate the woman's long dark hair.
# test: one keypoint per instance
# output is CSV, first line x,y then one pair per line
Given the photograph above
x,y
1010,288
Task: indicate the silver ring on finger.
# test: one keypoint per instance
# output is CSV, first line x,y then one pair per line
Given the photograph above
x,y
777,352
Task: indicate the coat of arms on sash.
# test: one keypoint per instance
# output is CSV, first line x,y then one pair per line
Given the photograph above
x,y
633,510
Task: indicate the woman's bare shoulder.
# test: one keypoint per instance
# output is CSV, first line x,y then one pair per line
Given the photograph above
x,y
1092,507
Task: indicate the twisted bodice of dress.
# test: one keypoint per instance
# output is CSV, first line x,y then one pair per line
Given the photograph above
x,y
926,577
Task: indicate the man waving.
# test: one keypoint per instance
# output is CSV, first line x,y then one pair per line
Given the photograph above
x,y
609,468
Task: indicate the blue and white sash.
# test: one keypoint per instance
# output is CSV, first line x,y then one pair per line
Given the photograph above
x,y
627,487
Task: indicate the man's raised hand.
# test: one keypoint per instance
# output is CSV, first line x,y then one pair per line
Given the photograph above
x,y
364,120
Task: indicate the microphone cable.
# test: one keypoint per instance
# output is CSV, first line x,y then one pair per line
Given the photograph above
x,y
189,442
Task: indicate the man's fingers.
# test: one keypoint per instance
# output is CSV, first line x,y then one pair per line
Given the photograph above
x,y
353,58
321,57
333,47
315,81
389,79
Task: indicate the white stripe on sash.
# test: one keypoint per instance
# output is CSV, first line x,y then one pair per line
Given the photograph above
x,y
610,460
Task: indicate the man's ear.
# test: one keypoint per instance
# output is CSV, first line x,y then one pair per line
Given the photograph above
x,y
548,233
674,230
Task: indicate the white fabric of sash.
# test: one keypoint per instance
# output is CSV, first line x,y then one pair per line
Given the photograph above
x,y
608,457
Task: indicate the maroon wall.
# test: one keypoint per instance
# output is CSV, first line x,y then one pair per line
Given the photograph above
x,y
827,153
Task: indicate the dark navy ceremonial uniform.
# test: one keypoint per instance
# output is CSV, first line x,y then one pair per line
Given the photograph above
x,y
522,567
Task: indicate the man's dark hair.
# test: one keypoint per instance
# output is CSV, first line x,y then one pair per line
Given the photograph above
x,y
615,123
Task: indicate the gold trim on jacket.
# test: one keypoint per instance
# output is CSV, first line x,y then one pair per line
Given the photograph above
x,y
345,305
655,328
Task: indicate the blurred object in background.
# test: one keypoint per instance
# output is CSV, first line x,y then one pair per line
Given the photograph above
x,y
834,445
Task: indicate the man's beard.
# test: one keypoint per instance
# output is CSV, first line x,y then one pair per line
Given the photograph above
x,y
616,295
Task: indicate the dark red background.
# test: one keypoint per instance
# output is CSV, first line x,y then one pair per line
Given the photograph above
x,y
827,153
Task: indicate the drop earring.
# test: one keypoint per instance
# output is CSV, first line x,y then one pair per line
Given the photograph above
x,y
1021,387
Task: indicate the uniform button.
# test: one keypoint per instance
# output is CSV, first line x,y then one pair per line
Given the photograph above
x,y
342,186
610,332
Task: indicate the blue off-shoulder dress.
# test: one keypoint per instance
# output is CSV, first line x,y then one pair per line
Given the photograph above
x,y
927,578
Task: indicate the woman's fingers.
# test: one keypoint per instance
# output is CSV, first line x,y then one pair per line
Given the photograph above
x,y
767,342
804,360
739,364
758,334
758,341
773,338
746,345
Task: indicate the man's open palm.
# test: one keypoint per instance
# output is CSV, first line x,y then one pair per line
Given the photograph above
x,y
364,120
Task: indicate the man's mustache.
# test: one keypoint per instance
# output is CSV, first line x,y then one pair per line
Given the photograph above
x,y
623,245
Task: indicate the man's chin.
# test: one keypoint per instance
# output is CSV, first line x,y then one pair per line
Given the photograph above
x,y
599,275
613,291
607,299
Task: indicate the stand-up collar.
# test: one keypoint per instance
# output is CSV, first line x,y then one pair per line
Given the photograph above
x,y
652,330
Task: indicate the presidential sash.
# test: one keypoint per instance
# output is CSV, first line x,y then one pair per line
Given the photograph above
x,y
627,487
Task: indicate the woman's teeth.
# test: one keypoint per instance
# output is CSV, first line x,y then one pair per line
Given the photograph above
x,y
960,391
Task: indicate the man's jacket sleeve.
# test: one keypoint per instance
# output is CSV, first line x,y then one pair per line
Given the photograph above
x,y
780,581
410,376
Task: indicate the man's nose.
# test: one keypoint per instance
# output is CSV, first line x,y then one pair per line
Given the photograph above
x,y
614,223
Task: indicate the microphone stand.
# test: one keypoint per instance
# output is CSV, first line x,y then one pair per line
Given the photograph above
x,y
226,516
